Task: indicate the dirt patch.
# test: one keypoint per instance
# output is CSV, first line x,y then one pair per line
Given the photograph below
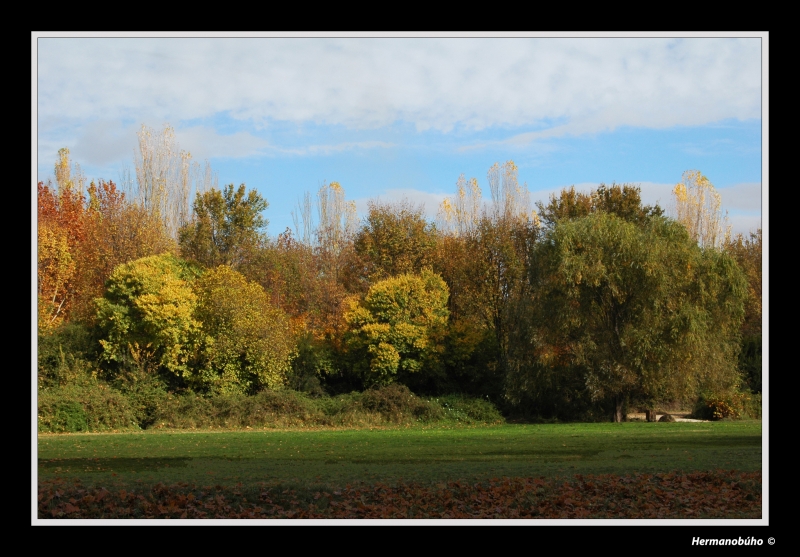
x,y
679,415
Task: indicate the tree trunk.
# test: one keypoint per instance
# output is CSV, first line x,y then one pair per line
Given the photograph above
x,y
651,415
618,409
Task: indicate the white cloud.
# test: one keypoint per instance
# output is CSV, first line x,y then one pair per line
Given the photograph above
x,y
102,142
742,197
336,148
744,224
204,142
587,84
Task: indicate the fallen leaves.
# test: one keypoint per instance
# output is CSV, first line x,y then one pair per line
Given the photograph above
x,y
717,494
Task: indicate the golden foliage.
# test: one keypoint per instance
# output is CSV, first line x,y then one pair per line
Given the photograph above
x,y
697,205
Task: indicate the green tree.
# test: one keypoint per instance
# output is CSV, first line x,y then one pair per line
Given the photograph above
x,y
227,227
147,319
399,326
248,343
623,200
747,253
641,312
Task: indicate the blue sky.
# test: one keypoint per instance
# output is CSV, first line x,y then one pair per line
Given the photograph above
x,y
393,117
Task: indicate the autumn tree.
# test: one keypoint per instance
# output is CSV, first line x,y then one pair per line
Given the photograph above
x,y
227,227
61,230
55,271
116,231
482,253
641,312
166,178
330,235
698,207
319,269
395,239
248,343
147,320
459,215
398,326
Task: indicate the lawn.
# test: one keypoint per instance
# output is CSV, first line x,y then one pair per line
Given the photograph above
x,y
246,465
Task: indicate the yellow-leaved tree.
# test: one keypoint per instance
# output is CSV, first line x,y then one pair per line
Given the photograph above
x,y
698,207
248,342
399,326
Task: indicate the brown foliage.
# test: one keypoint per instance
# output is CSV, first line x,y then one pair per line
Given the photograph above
x,y
715,494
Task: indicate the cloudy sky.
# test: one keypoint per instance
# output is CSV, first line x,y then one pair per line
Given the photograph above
x,y
393,117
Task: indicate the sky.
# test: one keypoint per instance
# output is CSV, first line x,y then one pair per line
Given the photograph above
x,y
392,117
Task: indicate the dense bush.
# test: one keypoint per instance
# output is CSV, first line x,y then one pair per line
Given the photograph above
x,y
750,362
397,404
469,410
147,318
236,410
728,406
90,405
84,405
63,354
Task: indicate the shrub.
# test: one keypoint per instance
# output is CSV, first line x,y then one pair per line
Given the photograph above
x,y
235,410
63,354
146,318
85,405
146,396
731,406
397,404
469,410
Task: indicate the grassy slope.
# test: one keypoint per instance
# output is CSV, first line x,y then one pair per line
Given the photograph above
x,y
328,457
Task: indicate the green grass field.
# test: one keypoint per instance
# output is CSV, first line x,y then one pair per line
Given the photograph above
x,y
338,457
628,470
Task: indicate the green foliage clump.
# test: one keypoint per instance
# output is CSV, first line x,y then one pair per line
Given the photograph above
x,y
147,396
399,326
64,354
248,344
750,362
227,228
84,405
732,405
640,312
397,404
390,405
236,410
469,410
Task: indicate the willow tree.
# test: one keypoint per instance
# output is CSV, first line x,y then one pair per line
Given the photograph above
x,y
640,312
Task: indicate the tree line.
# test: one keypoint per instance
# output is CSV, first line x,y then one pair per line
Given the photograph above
x,y
578,308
